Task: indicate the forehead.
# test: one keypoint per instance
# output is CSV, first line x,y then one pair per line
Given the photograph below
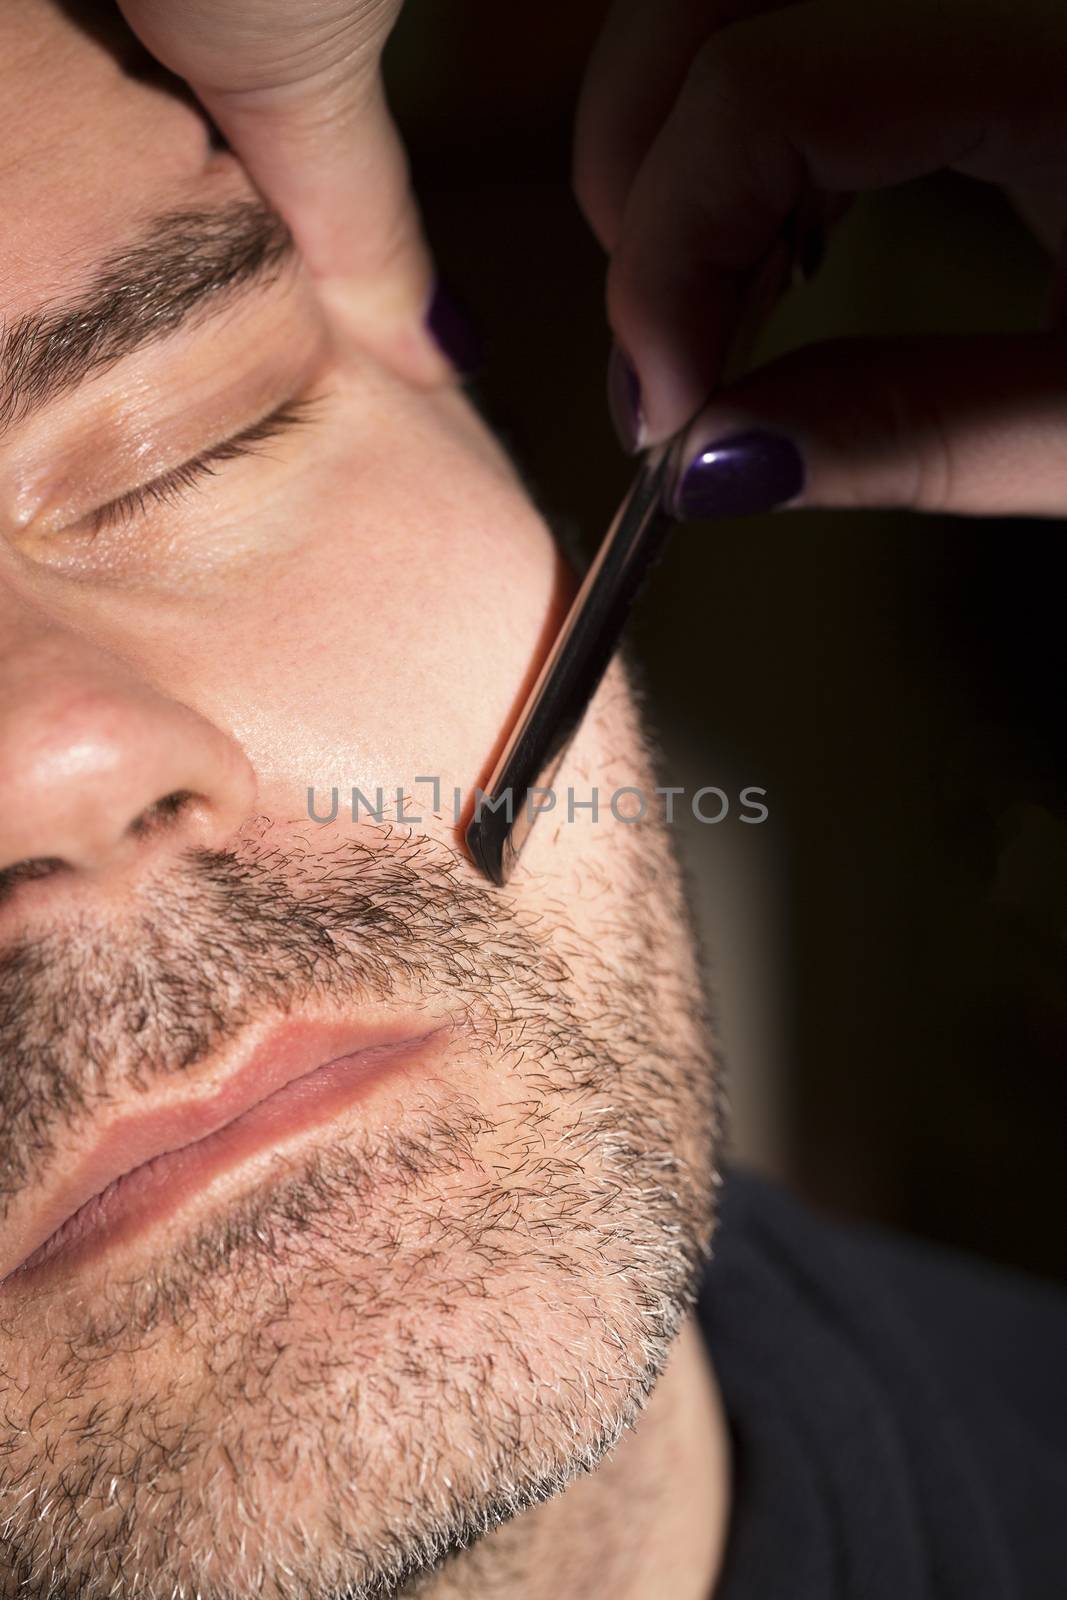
x,y
91,143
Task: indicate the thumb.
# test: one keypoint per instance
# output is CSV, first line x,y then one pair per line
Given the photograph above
x,y
297,91
960,425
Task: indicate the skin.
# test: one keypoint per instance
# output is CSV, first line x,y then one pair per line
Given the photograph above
x,y
159,1417
390,1355
299,95
705,124
704,128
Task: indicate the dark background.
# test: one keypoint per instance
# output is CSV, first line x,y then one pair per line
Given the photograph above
x,y
889,947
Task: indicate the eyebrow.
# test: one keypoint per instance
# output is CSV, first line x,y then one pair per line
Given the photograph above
x,y
184,267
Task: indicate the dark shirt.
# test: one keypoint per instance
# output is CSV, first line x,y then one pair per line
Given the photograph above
x,y
898,1413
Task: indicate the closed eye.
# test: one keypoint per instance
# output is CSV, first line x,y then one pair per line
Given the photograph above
x,y
172,485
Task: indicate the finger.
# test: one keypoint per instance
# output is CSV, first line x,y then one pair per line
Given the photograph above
x,y
334,167
635,72
299,97
825,94
959,425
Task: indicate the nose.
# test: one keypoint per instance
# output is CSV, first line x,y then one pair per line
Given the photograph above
x,y
99,770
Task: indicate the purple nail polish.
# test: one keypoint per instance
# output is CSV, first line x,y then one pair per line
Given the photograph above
x,y
624,401
740,475
453,330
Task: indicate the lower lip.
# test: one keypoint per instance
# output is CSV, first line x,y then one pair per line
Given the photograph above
x,y
154,1191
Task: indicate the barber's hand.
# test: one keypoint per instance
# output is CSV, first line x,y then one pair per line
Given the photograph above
x,y
703,123
296,88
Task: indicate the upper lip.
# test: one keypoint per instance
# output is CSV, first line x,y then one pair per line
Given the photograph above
x,y
268,1063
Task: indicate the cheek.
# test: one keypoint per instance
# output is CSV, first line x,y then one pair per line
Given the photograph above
x,y
394,642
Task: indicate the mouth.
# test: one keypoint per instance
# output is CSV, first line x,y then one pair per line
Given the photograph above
x,y
145,1168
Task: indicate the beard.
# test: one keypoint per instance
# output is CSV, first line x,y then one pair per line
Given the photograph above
x,y
340,1379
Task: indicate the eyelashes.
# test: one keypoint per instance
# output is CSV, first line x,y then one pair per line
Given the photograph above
x,y
173,485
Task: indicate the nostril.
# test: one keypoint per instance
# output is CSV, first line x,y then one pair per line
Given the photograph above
x,y
161,812
22,871
153,819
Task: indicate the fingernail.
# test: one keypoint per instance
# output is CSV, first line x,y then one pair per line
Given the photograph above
x,y
453,330
740,475
624,401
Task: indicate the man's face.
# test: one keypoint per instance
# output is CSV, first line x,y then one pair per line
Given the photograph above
x,y
423,1289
